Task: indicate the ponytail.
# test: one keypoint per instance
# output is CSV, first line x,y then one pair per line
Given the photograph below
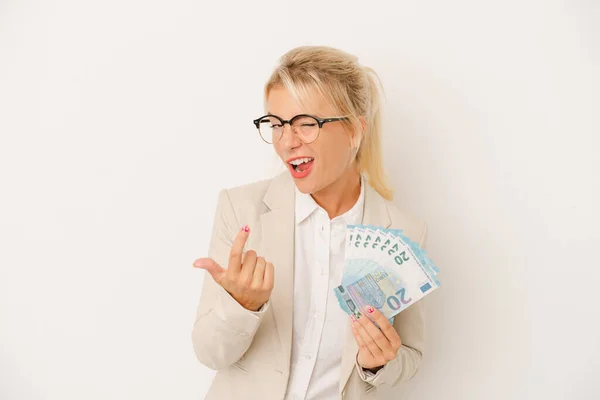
x,y
370,155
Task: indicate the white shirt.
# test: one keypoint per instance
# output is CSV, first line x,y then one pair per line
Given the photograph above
x,y
319,322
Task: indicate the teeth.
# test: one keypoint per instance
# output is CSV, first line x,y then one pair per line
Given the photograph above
x,y
299,161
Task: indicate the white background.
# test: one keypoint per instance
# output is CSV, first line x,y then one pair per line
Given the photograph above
x,y
121,120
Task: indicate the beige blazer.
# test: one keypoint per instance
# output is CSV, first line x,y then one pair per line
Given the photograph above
x,y
251,351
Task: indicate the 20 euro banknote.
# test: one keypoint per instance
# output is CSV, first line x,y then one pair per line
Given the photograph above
x,y
383,268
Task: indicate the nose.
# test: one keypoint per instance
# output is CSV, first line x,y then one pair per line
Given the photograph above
x,y
288,139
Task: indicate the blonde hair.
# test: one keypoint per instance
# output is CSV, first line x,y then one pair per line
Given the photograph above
x,y
349,88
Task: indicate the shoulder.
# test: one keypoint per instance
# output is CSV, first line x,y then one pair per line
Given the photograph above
x,y
413,225
252,198
251,192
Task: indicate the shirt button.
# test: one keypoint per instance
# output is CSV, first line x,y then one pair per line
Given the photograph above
x,y
317,315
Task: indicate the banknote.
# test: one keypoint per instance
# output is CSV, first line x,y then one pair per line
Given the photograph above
x,y
385,269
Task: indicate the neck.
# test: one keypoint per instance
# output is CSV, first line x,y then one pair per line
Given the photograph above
x,y
341,195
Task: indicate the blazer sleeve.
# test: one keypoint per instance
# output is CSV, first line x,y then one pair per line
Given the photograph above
x,y
410,325
223,330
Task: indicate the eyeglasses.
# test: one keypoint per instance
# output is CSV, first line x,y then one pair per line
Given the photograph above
x,y
305,127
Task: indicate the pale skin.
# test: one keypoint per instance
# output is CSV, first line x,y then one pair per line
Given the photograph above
x,y
248,278
375,346
334,183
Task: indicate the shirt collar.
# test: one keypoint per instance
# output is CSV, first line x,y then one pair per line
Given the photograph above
x,y
306,205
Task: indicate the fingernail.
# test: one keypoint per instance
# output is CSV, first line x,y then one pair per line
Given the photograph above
x,y
246,228
353,317
370,310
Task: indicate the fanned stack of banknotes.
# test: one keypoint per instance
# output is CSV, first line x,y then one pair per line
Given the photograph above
x,y
383,268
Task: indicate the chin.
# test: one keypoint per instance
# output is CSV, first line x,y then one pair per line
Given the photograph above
x,y
305,186
310,186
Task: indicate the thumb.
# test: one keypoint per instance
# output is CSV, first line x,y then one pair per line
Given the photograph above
x,y
214,269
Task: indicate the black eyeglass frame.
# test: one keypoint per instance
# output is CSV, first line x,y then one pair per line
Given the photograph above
x,y
320,122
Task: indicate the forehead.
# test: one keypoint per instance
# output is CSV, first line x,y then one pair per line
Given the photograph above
x,y
283,103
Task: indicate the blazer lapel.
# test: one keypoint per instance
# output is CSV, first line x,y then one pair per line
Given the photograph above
x,y
277,245
375,213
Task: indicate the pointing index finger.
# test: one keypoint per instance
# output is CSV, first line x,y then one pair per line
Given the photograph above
x,y
235,254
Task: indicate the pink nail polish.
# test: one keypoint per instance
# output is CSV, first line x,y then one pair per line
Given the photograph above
x,y
370,310
246,228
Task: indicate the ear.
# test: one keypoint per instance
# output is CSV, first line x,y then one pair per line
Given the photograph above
x,y
359,133
363,124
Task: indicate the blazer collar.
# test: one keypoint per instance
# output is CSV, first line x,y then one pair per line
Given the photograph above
x,y
280,192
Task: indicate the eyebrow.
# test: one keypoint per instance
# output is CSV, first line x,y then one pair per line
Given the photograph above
x,y
318,115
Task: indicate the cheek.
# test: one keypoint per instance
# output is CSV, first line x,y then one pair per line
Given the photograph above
x,y
337,150
278,150
332,160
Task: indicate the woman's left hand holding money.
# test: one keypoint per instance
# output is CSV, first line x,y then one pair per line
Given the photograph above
x,y
375,346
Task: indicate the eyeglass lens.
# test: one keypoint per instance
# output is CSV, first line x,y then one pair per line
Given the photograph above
x,y
306,128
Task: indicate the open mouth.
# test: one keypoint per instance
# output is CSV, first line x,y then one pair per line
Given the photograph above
x,y
301,164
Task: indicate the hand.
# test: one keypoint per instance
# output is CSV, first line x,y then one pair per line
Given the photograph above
x,y
375,347
250,281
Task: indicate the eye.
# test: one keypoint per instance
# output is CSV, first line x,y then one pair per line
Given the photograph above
x,y
305,122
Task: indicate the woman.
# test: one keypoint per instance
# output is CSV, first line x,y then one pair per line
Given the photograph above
x,y
267,319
